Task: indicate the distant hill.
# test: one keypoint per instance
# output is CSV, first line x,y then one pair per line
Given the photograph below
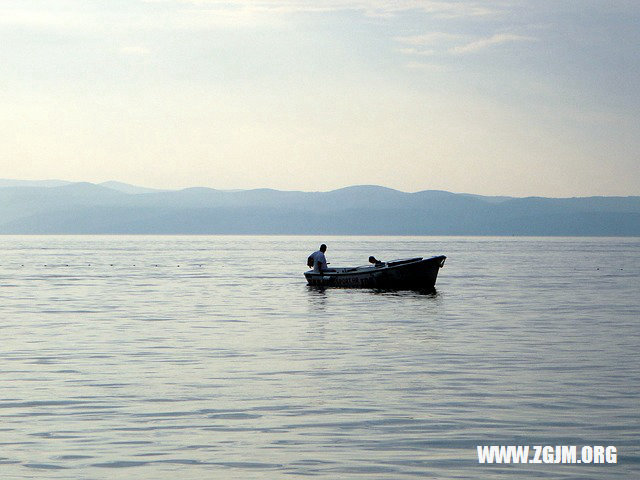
x,y
59,207
126,188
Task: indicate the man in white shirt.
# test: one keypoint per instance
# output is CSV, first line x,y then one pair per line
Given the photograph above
x,y
319,260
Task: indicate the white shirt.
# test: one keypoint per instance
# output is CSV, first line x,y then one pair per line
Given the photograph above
x,y
319,261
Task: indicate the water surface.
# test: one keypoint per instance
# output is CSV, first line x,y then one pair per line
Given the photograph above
x,y
208,357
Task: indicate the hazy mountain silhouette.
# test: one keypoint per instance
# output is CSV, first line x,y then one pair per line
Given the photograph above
x,y
59,207
126,188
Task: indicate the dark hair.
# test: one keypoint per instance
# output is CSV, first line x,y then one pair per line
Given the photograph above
x,y
323,247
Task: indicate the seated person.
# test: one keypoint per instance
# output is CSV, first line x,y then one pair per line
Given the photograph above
x,y
319,260
375,261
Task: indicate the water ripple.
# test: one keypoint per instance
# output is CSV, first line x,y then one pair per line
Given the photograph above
x,y
188,357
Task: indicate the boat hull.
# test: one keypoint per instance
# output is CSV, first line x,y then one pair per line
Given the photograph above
x,y
409,274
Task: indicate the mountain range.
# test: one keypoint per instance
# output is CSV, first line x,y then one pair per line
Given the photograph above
x,y
59,207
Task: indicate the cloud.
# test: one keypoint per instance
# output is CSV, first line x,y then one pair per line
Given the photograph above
x,y
427,67
447,44
429,38
484,43
438,8
203,14
134,50
423,52
428,44
40,18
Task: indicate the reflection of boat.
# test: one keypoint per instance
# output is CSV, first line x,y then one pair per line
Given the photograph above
x,y
408,274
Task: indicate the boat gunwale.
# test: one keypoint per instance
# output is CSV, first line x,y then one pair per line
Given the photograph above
x,y
373,268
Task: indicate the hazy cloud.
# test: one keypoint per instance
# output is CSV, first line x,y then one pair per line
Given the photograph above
x,y
198,14
426,67
442,8
432,38
428,44
484,43
134,50
41,18
425,52
440,43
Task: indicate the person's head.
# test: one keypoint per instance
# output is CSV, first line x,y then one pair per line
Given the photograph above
x,y
323,248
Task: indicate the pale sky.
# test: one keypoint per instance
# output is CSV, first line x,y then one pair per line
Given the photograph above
x,y
513,97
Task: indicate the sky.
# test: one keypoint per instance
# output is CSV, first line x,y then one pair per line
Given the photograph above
x,y
504,97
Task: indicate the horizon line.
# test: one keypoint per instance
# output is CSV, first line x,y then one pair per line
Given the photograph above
x,y
104,184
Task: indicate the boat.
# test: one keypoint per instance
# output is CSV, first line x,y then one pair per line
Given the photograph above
x,y
406,274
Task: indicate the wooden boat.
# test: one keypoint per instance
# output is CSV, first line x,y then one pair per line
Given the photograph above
x,y
407,274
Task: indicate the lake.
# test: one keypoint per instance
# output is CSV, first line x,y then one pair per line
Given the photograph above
x,y
199,357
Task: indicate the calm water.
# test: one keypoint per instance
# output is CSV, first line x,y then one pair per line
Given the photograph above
x,y
209,357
